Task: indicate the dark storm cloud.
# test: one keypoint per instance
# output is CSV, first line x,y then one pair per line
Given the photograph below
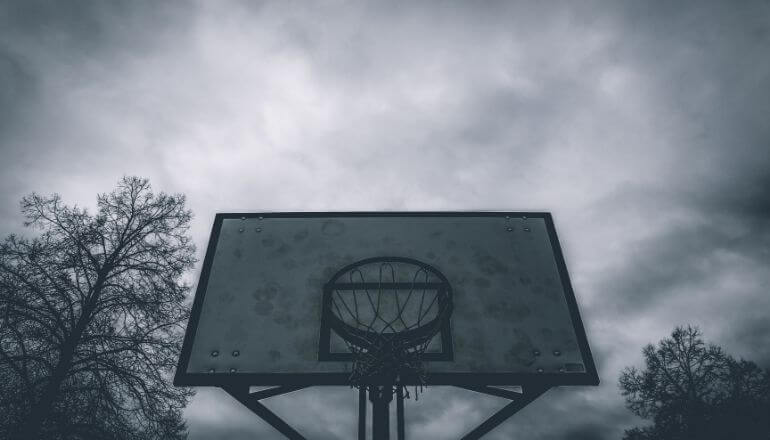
x,y
708,60
591,432
17,85
641,125
753,336
83,26
684,254
50,52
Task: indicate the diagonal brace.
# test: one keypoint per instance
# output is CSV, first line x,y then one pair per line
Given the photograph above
x,y
492,391
529,394
275,391
241,394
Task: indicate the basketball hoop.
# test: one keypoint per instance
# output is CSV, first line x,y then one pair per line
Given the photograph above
x,y
387,310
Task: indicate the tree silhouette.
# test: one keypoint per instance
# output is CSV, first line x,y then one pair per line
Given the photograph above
x,y
693,390
91,311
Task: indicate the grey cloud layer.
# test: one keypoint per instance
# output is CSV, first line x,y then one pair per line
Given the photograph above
x,y
642,126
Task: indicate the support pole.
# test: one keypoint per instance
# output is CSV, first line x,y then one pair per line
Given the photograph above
x,y
362,413
400,413
380,396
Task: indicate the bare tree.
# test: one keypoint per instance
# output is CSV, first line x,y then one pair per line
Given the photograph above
x,y
92,310
693,390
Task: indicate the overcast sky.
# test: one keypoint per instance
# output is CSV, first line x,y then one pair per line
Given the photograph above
x,y
644,127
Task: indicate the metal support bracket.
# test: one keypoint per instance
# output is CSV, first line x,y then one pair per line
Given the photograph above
x,y
252,401
519,401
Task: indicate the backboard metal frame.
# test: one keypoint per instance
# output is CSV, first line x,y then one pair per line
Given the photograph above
x,y
185,378
532,384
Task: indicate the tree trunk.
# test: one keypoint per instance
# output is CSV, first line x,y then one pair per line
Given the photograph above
x,y
41,409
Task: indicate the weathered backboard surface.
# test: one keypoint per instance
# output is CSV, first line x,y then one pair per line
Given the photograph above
x,y
256,318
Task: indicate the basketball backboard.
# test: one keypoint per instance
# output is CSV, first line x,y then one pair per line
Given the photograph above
x,y
257,313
